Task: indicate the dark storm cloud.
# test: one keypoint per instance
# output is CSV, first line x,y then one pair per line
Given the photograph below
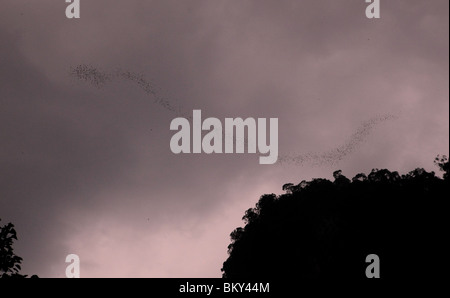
x,y
92,75
89,170
50,162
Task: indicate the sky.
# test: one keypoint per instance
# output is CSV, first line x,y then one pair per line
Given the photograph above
x,y
86,106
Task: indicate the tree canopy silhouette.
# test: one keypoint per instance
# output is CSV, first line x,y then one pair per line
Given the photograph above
x,y
325,229
10,263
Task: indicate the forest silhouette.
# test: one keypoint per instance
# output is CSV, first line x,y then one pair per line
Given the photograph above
x,y
325,229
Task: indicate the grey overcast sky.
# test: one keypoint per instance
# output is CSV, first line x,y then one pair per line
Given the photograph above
x,y
86,167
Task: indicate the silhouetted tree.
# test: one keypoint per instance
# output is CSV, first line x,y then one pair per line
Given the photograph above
x,y
443,164
10,263
324,229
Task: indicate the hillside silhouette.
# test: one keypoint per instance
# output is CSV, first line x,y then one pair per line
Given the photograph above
x,y
326,229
